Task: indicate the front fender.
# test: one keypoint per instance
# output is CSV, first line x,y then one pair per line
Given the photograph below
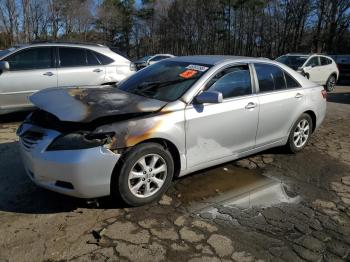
x,y
164,125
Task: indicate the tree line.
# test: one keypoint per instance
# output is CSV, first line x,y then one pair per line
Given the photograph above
x,y
265,28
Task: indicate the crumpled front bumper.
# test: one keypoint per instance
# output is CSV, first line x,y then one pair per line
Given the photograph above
x,y
84,173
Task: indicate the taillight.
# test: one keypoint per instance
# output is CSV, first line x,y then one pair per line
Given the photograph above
x,y
324,94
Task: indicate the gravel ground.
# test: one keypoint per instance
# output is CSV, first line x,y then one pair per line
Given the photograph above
x,y
38,225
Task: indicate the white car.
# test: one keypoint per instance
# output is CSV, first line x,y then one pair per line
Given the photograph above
x,y
320,69
29,68
168,120
150,60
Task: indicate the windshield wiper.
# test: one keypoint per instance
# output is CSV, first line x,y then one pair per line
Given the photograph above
x,y
145,86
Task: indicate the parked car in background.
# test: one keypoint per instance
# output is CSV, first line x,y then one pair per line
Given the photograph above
x,y
320,69
178,116
29,68
150,60
343,62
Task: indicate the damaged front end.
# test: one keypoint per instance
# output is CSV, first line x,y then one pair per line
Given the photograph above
x,y
77,114
82,140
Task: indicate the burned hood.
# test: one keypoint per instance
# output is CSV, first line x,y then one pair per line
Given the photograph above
x,y
88,104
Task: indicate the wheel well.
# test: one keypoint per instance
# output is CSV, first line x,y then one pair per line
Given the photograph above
x,y
335,75
313,117
172,149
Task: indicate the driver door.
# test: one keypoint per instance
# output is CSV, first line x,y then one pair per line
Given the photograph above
x,y
223,130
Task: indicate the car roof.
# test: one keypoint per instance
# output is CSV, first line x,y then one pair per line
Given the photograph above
x,y
163,54
95,47
72,44
65,44
306,55
214,59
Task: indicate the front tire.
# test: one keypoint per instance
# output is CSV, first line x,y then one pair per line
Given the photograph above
x,y
300,133
145,174
331,83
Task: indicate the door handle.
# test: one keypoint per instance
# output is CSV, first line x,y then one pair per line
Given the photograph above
x,y
48,74
250,105
298,95
97,70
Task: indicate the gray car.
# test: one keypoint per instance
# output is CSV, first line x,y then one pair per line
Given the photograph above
x,y
29,68
168,120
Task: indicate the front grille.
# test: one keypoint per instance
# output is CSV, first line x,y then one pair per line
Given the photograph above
x,y
30,138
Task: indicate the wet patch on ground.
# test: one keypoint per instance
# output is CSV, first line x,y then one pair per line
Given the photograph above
x,y
229,185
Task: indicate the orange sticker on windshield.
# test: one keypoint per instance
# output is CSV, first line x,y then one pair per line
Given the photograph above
x,y
188,73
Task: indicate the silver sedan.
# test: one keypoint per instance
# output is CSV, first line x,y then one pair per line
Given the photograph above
x,y
173,118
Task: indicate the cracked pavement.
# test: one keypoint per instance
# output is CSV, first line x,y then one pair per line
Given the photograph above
x,y
38,225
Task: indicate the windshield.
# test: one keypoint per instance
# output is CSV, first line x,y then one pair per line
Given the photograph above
x,y
6,51
292,61
144,59
166,80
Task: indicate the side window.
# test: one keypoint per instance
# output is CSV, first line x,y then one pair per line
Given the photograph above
x,y
290,81
70,57
314,61
91,58
33,58
232,82
325,60
270,77
104,60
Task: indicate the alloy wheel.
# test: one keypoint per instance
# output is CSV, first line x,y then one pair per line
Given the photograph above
x,y
331,83
301,133
147,176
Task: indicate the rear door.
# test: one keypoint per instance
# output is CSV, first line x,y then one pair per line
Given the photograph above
x,y
79,67
281,98
326,69
31,70
216,131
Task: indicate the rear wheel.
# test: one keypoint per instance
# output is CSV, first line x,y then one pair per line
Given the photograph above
x,y
300,133
331,83
144,176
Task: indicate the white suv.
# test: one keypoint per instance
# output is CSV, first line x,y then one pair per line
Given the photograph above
x,y
320,69
29,68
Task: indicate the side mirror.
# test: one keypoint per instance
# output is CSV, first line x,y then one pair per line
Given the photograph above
x,y
4,66
212,97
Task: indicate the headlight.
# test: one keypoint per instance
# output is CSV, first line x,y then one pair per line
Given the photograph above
x,y
74,141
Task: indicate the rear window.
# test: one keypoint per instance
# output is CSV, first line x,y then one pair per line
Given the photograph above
x,y
104,60
70,57
290,81
325,61
314,61
270,77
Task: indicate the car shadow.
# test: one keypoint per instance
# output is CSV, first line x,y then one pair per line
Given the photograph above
x,y
20,195
341,98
